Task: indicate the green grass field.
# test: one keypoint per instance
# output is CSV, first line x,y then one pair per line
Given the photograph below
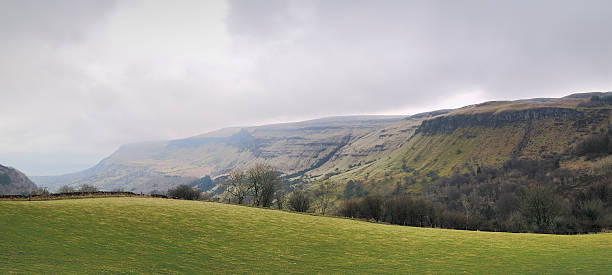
x,y
144,235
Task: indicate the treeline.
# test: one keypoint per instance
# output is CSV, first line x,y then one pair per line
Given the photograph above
x,y
402,210
528,196
256,186
521,196
259,185
262,186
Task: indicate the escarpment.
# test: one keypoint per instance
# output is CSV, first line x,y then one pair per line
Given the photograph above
x,y
449,123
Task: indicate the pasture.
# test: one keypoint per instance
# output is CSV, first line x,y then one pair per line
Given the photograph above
x,y
151,235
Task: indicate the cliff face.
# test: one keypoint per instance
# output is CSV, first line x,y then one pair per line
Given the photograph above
x,y
448,124
486,134
13,181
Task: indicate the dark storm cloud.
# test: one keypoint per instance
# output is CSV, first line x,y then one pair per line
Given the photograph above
x,y
79,78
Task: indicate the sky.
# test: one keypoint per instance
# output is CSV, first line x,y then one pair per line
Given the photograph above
x,y
80,78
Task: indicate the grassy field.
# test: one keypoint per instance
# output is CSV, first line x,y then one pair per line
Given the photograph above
x,y
146,235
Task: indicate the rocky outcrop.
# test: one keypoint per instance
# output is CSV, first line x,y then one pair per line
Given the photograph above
x,y
13,181
448,124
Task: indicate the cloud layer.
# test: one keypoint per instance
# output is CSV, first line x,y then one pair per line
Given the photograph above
x,y
80,78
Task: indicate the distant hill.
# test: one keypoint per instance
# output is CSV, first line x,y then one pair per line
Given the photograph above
x,y
487,134
380,151
12,181
310,147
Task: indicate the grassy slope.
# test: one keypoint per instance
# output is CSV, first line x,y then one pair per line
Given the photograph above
x,y
368,148
167,236
468,147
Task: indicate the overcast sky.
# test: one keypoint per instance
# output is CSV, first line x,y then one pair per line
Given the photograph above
x,y
79,78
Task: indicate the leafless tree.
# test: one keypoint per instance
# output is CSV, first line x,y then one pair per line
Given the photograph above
x,y
40,191
280,200
238,186
325,193
264,182
66,189
86,188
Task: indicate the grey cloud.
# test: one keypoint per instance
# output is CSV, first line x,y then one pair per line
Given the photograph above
x,y
61,20
79,78
515,48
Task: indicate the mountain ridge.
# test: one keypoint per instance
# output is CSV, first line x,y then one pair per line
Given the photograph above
x,y
486,134
308,141
366,148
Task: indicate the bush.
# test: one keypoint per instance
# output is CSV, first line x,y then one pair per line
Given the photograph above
x,y
185,192
299,201
598,144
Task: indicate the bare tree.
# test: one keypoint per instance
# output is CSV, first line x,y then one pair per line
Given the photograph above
x,y
264,183
66,189
39,191
280,200
540,206
238,186
471,206
325,193
86,188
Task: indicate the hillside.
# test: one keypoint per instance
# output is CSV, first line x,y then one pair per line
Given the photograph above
x,y
315,146
380,151
12,181
137,235
487,134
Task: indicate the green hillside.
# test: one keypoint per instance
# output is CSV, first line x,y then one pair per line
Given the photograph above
x,y
137,235
487,134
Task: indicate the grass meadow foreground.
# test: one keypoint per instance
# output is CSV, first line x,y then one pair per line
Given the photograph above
x,y
147,235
